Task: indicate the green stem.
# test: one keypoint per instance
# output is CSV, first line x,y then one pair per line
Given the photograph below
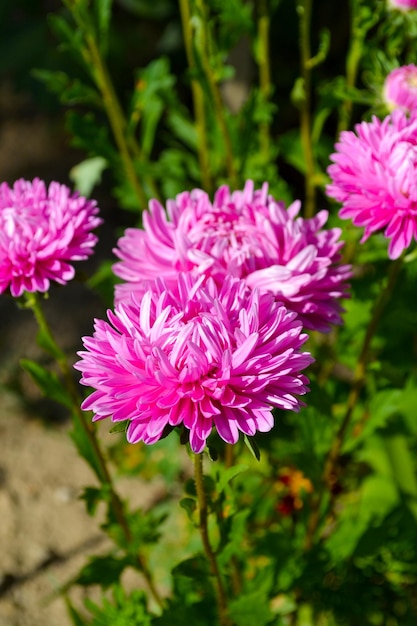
x,y
116,117
101,77
358,382
219,108
203,527
198,98
33,302
304,8
352,63
264,24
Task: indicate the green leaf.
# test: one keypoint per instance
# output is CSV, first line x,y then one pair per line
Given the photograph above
x,y
121,610
403,469
92,496
75,617
47,343
120,427
251,608
102,9
87,174
190,506
102,570
84,446
227,475
253,447
48,382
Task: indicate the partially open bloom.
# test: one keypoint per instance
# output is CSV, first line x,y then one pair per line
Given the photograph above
x,y
403,5
41,231
400,88
374,174
246,234
199,358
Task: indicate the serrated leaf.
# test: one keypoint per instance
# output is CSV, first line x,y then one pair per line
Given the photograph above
x,y
48,382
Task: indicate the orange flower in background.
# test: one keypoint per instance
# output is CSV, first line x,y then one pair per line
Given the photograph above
x,y
292,485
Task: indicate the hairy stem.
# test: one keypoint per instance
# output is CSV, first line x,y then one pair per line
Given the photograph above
x,y
101,469
304,8
358,382
198,98
203,527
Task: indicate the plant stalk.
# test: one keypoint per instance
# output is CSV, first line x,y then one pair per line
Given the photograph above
x,y
264,24
198,98
203,527
33,302
304,8
218,105
357,37
358,382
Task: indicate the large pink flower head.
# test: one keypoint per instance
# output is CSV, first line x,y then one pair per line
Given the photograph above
x,y
400,88
201,357
41,230
403,5
374,175
246,234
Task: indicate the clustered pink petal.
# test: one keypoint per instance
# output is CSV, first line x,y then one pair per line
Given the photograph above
x,y
199,357
400,88
374,174
41,230
246,234
403,5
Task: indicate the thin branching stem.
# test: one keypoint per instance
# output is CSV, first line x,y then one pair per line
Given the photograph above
x,y
198,98
100,74
219,108
358,382
304,8
116,117
357,37
264,23
102,470
210,554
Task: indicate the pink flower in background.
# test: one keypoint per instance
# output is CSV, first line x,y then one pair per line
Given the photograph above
x,y
400,88
201,357
41,230
403,5
246,234
374,174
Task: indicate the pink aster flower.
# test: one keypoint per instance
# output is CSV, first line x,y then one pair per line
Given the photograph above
x,y
199,358
403,5
374,176
246,234
400,88
41,230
